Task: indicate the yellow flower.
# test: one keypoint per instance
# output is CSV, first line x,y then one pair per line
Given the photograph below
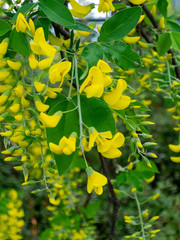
x,y
79,10
40,87
19,90
95,181
3,99
175,159
105,6
58,71
33,62
105,68
6,134
175,148
41,107
106,144
115,99
2,62
161,23
25,103
41,47
131,40
141,19
96,136
4,75
143,44
21,23
109,148
14,65
137,2
31,26
15,107
93,85
66,145
4,46
153,10
50,121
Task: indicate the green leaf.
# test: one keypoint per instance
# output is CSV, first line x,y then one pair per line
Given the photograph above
x,y
175,37
121,178
57,12
69,123
122,54
45,235
174,26
164,43
142,106
4,27
91,209
131,125
92,53
162,7
142,167
19,43
24,9
44,23
52,102
96,113
120,24
118,6
134,179
81,27
120,113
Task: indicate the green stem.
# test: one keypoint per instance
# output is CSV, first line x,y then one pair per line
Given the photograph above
x,y
72,78
140,215
169,74
79,110
44,170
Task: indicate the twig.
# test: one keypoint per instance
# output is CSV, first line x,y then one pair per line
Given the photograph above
x,y
155,24
115,201
60,30
150,16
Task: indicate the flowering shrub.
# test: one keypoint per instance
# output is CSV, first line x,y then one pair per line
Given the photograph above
x,y
78,108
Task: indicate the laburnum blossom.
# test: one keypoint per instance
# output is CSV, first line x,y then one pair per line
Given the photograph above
x,y
50,121
66,145
105,6
4,46
58,71
175,148
137,2
79,10
96,181
41,47
21,23
105,68
96,80
107,145
93,85
115,99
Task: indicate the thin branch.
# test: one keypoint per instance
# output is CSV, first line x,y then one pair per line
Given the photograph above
x,y
155,24
150,16
60,30
115,201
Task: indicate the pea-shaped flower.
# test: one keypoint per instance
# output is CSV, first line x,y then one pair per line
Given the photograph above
x,y
21,23
96,181
50,121
105,6
66,145
58,71
115,99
